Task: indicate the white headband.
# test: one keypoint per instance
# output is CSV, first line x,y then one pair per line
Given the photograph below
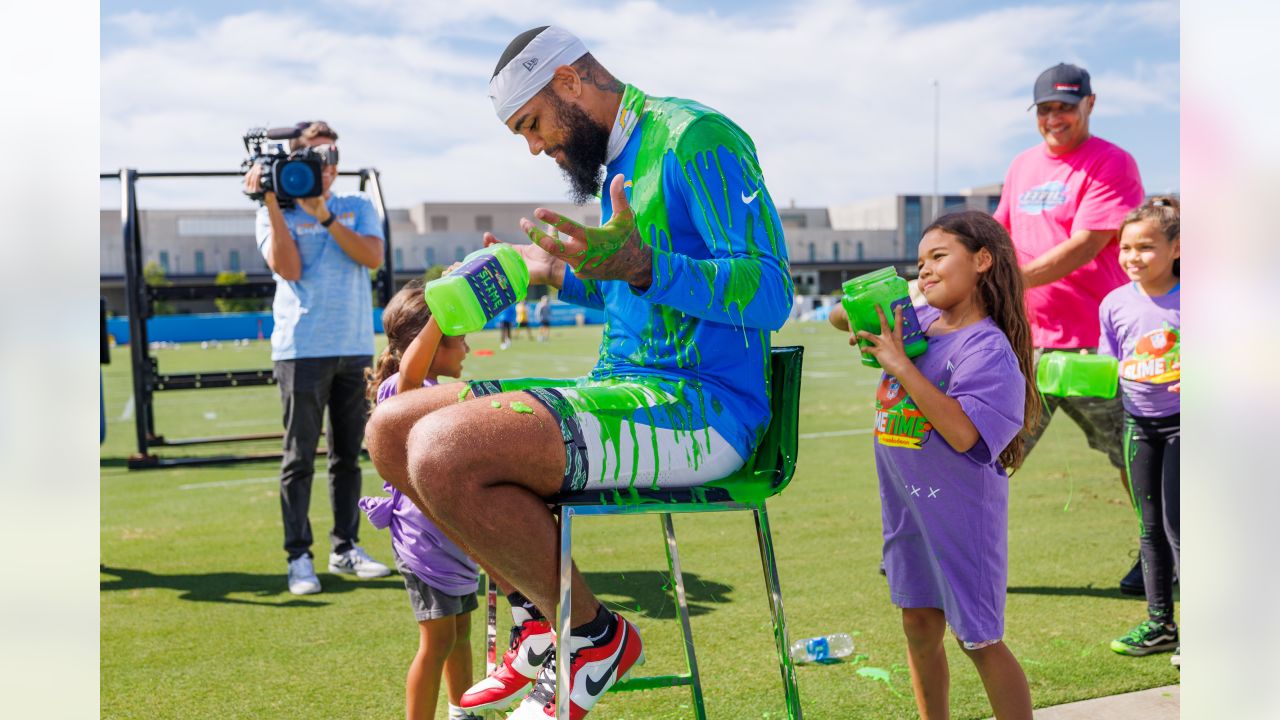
x,y
531,70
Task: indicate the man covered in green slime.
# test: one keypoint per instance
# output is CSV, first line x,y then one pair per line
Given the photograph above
x,y
691,272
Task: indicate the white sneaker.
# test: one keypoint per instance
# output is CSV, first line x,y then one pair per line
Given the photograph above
x,y
357,562
302,577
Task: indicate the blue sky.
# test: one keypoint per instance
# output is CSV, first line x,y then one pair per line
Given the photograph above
x,y
836,93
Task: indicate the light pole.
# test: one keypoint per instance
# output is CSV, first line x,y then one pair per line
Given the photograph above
x,y
937,112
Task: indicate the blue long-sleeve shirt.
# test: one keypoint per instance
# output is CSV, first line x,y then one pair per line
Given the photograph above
x,y
721,281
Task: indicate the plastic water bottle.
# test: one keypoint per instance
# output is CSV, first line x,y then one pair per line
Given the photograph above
x,y
827,647
487,282
884,289
1073,374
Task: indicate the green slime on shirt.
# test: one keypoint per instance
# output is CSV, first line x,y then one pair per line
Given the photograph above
x,y
694,134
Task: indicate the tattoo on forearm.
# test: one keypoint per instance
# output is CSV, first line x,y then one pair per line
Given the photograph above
x,y
631,261
613,251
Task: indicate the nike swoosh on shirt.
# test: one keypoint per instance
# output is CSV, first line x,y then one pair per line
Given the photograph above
x,y
747,199
536,659
595,686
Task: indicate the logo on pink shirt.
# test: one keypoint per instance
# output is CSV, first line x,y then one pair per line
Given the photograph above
x,y
1042,197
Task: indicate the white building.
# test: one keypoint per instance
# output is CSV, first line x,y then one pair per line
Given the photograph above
x,y
826,245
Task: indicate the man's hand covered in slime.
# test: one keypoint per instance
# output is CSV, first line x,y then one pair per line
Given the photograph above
x,y
613,251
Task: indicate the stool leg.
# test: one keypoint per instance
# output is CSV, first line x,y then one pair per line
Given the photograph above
x,y
566,613
491,628
774,588
673,562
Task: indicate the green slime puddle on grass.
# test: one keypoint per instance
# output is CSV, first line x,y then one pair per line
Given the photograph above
x,y
876,674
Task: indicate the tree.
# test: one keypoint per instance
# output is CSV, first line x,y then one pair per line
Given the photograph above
x,y
227,305
432,273
153,274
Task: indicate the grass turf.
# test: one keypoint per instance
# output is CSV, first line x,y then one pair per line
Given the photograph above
x,y
196,621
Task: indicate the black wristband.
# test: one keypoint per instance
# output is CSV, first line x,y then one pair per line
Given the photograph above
x,y
329,221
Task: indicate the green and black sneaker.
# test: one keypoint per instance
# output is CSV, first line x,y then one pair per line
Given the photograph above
x,y
1147,638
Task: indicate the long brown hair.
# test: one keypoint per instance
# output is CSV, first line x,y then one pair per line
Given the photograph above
x,y
1000,290
402,320
1163,211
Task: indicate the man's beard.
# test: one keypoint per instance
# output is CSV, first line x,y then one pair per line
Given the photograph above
x,y
585,150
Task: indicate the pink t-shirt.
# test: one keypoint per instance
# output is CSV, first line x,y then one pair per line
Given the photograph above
x,y
1048,197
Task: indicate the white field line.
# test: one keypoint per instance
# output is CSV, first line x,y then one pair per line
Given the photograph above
x,y
228,483
551,356
127,412
819,371
247,423
834,433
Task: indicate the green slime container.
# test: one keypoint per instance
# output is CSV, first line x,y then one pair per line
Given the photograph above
x,y
1075,374
884,289
487,282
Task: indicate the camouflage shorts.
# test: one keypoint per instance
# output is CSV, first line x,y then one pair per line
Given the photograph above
x,y
1102,420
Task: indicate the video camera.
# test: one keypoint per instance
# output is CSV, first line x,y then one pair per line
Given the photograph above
x,y
289,175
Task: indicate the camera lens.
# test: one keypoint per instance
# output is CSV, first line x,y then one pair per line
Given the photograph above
x,y
297,179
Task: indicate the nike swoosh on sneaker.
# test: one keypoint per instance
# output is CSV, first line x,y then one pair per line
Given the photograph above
x,y
747,199
537,659
596,685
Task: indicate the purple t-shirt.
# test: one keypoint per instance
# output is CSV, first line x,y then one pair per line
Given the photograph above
x,y
416,541
946,513
1142,333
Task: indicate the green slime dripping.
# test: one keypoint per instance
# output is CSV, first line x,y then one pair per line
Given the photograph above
x,y
521,408
694,135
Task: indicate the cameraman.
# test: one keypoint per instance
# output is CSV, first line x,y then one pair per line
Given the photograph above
x,y
321,251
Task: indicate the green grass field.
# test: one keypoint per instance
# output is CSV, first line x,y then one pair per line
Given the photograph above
x,y
196,621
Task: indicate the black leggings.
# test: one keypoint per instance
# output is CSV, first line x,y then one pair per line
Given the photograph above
x,y
1151,449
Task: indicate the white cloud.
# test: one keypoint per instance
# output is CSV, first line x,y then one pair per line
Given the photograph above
x,y
1146,89
837,95
141,25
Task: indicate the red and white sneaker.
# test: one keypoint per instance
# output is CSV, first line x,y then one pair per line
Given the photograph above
x,y
592,671
532,643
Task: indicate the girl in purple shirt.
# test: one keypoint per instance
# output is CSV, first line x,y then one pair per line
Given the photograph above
x,y
1141,328
947,427
440,578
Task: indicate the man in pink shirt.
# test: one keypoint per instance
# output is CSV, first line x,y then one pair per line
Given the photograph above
x,y
1062,202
